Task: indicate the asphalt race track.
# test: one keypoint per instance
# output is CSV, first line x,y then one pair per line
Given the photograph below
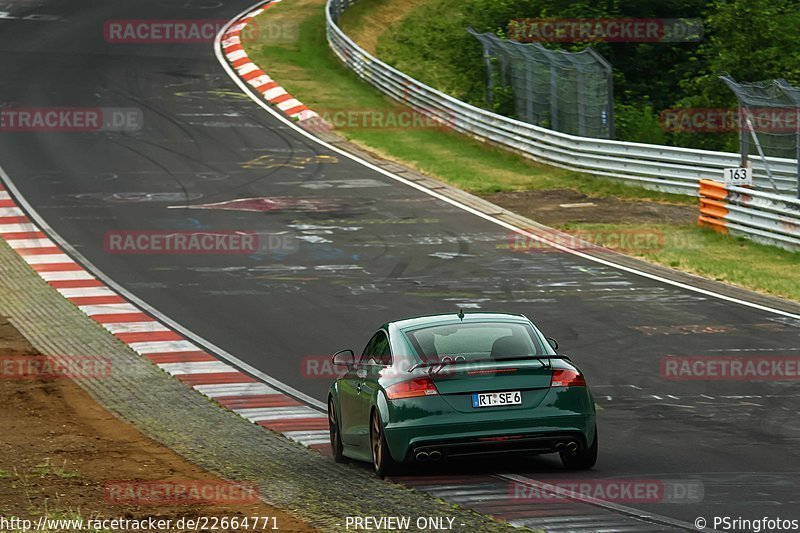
x,y
366,249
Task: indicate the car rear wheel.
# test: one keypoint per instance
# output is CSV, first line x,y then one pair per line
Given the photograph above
x,y
583,458
336,437
382,459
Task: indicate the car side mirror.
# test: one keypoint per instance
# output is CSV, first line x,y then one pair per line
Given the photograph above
x,y
553,343
344,358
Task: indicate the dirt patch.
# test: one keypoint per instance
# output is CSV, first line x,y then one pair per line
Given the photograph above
x,y
558,207
63,456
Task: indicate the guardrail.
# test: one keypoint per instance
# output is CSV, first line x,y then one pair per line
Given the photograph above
x,y
667,168
763,217
768,217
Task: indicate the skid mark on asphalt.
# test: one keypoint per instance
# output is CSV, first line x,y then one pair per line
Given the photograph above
x,y
696,329
369,221
356,183
266,204
214,93
297,162
793,349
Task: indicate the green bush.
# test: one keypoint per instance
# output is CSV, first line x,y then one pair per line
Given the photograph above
x,y
638,123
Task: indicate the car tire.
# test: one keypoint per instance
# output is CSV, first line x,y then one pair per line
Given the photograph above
x,y
382,460
583,458
337,449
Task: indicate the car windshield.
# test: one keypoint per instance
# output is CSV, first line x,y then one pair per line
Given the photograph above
x,y
477,341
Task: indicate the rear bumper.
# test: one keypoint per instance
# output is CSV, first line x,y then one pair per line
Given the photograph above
x,y
424,424
503,437
498,446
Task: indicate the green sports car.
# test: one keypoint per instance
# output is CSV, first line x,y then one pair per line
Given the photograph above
x,y
440,387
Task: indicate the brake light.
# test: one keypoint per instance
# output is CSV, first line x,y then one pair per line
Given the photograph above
x,y
491,371
411,389
567,378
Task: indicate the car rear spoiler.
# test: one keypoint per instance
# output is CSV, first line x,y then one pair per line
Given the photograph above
x,y
503,360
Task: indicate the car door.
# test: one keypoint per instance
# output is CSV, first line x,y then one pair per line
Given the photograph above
x,y
351,416
380,357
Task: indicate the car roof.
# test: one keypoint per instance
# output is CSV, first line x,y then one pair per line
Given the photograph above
x,y
444,318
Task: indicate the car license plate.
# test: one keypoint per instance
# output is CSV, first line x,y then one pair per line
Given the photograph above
x,y
495,399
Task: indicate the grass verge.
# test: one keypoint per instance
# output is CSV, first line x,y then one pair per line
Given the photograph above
x,y
708,253
308,69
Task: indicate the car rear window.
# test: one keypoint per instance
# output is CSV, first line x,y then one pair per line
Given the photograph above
x,y
476,341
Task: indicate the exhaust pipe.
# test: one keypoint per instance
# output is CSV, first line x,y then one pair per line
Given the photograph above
x,y
560,447
435,455
572,446
422,457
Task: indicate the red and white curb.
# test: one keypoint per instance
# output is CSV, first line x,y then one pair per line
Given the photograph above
x,y
163,346
258,79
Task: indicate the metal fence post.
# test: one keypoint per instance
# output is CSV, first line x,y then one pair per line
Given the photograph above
x,y
529,89
553,96
797,152
744,141
581,106
609,88
490,77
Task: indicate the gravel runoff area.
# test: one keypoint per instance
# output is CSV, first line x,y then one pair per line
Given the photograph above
x,y
289,475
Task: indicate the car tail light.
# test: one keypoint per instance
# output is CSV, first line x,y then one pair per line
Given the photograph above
x,y
567,378
411,389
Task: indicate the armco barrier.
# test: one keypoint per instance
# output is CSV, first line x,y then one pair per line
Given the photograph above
x,y
760,216
667,168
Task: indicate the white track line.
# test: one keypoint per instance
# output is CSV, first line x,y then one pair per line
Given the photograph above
x,y
235,389
202,367
134,327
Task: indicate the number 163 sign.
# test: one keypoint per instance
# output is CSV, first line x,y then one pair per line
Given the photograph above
x,y
738,176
